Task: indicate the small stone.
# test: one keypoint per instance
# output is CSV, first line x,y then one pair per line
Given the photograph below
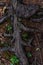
x,y
37,49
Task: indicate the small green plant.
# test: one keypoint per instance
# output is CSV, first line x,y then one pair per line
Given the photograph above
x,y
14,60
29,55
9,28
